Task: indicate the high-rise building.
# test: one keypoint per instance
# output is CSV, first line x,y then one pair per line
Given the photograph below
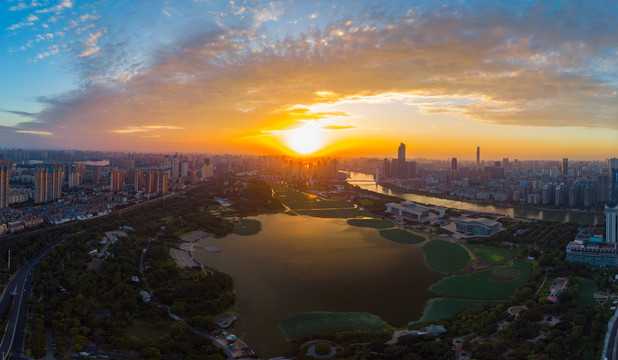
x,y
116,180
175,166
75,179
207,171
166,162
612,167
401,161
139,180
454,164
47,183
478,157
4,185
611,224
565,167
184,168
165,183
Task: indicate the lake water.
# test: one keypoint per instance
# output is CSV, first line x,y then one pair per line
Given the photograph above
x,y
365,181
299,263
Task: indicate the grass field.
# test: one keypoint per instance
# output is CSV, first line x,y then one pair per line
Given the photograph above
x,y
247,227
442,308
446,257
371,223
492,255
337,213
402,236
496,283
319,322
587,287
320,204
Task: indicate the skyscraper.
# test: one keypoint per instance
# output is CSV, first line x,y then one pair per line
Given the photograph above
x,y
116,180
401,161
454,164
175,166
478,157
611,224
565,167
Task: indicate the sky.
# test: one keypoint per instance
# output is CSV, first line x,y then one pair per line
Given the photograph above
x,y
525,79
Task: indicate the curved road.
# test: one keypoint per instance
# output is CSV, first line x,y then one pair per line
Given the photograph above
x,y
19,289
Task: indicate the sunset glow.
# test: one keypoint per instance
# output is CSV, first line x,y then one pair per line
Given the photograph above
x,y
337,78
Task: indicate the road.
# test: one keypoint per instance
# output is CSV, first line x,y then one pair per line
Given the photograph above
x,y
611,344
20,288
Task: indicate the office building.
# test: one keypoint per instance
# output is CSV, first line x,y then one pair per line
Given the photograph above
x,y
565,167
454,164
478,157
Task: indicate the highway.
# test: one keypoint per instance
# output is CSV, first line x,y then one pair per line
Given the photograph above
x,y
20,288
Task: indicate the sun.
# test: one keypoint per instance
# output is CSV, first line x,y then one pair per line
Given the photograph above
x,y
305,140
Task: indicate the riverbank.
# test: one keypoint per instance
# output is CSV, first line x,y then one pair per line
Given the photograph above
x,y
487,203
439,200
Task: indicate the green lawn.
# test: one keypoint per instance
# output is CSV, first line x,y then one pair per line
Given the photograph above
x,y
337,213
496,283
493,255
371,223
587,287
320,204
402,236
319,322
442,308
445,256
247,227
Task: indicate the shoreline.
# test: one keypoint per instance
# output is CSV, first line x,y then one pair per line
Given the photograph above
x,y
481,202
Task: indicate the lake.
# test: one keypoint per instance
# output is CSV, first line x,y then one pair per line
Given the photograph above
x,y
300,263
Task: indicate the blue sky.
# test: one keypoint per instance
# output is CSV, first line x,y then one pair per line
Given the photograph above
x,y
226,75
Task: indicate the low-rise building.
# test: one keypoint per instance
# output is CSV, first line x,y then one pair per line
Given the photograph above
x,y
592,253
480,226
407,209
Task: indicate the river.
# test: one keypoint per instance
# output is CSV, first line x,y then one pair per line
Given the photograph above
x,y
365,181
299,263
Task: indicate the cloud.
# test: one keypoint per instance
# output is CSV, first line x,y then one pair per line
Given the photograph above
x,y
337,127
34,132
532,67
20,113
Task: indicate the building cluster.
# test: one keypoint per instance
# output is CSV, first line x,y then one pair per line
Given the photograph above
x,y
594,249
550,184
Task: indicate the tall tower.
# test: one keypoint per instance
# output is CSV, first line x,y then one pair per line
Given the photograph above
x,y
565,167
611,224
478,157
454,164
401,162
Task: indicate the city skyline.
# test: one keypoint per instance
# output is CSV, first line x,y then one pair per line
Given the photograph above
x,y
527,81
